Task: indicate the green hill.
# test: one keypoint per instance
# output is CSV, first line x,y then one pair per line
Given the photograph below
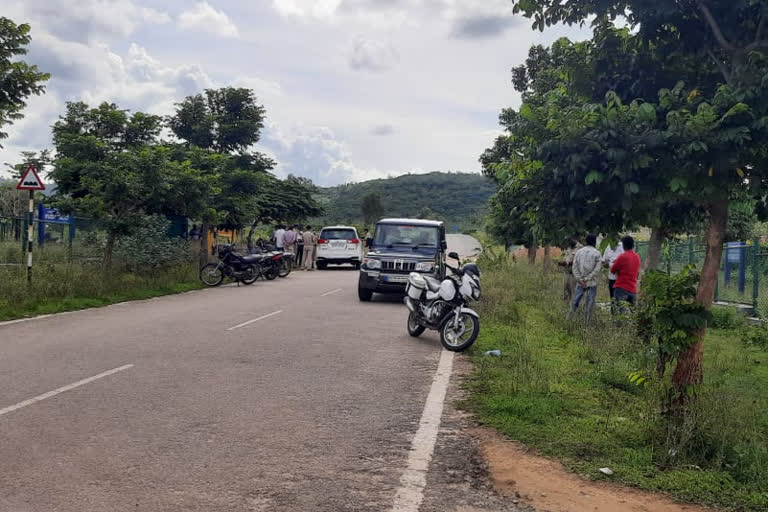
x,y
459,199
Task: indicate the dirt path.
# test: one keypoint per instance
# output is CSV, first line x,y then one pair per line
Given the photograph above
x,y
545,484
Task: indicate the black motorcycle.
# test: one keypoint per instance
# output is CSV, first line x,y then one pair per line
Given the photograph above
x,y
283,262
245,269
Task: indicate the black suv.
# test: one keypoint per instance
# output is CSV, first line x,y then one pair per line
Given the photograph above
x,y
399,247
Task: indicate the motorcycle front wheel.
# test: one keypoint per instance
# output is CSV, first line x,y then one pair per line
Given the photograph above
x,y
211,275
285,268
460,337
250,275
415,329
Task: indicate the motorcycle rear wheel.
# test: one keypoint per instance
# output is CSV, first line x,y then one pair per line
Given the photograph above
x,y
211,275
251,275
458,339
271,273
415,329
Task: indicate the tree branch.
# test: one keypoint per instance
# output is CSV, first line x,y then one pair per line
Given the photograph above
x,y
715,27
721,65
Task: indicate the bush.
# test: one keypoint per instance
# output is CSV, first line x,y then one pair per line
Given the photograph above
x,y
150,247
726,318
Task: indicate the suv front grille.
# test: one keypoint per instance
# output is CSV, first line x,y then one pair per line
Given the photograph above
x,y
399,265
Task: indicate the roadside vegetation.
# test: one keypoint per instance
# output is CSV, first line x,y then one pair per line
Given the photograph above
x,y
147,264
572,392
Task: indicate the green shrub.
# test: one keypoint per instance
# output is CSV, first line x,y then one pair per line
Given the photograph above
x,y
724,317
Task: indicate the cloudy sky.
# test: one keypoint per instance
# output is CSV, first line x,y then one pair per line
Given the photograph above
x,y
354,89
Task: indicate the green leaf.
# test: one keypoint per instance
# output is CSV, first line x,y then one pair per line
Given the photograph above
x,y
593,177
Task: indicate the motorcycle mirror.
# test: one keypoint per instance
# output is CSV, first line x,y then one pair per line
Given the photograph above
x,y
454,255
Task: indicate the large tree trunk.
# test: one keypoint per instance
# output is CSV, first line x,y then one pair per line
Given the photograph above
x,y
688,373
547,257
109,250
532,249
204,228
653,259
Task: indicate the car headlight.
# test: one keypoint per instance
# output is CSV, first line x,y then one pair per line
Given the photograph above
x,y
425,266
372,263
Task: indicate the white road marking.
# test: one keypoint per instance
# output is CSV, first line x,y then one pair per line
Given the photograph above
x,y
337,290
414,480
58,391
20,320
249,322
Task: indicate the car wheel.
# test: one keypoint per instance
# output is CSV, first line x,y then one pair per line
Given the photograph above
x,y
364,294
322,265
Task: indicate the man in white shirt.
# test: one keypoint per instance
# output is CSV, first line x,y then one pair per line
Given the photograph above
x,y
609,258
280,238
586,270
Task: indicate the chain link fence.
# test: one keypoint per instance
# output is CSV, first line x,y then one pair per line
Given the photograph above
x,y
743,276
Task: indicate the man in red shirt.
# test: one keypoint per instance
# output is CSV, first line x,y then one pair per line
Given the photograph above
x,y
627,269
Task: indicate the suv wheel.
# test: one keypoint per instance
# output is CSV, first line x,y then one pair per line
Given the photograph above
x,y
364,293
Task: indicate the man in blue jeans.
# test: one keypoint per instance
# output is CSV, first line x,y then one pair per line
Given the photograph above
x,y
586,269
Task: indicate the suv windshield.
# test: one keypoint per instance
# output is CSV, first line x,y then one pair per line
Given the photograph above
x,y
337,234
389,235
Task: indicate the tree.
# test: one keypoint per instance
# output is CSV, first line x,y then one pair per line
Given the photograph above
x,y
226,122
18,80
717,135
372,208
41,161
290,201
108,167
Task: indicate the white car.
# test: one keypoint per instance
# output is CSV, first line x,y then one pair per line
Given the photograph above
x,y
338,245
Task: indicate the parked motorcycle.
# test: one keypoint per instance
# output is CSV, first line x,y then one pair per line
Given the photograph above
x,y
442,306
242,268
275,263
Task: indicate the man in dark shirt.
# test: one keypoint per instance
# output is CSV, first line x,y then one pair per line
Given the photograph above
x,y
627,269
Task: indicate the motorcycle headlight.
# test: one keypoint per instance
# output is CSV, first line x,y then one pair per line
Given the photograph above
x,y
372,264
425,266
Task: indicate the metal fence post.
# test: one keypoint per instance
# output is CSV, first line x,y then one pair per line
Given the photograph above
x,y
755,274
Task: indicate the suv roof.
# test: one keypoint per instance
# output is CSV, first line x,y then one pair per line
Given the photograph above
x,y
412,222
339,227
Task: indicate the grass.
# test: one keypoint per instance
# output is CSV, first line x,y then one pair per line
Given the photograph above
x,y
59,287
564,389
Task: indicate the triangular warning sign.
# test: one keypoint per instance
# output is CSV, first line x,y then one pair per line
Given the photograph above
x,y
30,180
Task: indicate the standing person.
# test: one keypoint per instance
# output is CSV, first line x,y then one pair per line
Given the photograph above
x,y
299,246
289,240
569,282
609,258
367,240
310,242
586,270
627,270
280,238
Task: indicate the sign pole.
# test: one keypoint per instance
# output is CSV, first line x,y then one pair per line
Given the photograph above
x,y
30,181
30,234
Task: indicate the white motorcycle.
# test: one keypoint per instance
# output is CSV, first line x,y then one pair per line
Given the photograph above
x,y
442,306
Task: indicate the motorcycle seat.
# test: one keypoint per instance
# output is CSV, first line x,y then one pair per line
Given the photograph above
x,y
253,258
433,285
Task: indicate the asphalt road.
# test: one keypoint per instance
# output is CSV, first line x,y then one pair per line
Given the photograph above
x,y
286,395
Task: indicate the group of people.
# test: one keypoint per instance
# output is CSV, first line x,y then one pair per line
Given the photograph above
x,y
301,243
582,268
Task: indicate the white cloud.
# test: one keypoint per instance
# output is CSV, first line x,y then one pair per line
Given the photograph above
x,y
85,20
205,17
372,55
314,152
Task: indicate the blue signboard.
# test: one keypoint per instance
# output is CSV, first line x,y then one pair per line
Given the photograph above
x,y
52,215
733,251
